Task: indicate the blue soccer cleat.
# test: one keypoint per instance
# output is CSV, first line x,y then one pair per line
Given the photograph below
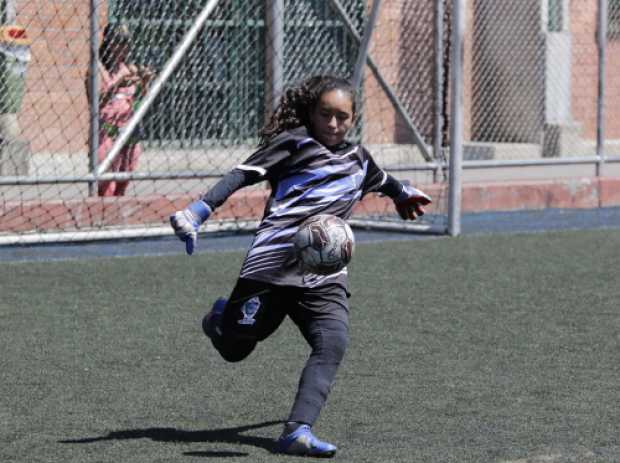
x,y
211,321
302,442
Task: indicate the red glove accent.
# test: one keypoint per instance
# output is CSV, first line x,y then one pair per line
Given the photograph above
x,y
409,203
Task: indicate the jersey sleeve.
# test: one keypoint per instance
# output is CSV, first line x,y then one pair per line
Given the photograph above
x,y
228,184
378,180
258,167
375,176
262,162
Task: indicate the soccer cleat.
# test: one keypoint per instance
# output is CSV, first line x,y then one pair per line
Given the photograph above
x,y
211,321
302,442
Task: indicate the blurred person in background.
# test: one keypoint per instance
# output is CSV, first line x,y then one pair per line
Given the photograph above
x,y
121,87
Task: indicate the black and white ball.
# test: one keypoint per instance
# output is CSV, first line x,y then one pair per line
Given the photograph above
x,y
324,244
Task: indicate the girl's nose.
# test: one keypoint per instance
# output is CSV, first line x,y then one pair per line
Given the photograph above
x,y
333,122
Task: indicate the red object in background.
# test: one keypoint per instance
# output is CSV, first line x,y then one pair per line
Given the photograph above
x,y
17,33
14,34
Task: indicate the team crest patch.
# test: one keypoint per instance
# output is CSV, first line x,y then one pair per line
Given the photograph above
x,y
249,310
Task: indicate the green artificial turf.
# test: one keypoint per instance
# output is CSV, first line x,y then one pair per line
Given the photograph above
x,y
484,349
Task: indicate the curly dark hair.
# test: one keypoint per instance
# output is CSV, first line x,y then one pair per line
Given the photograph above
x,y
114,36
297,103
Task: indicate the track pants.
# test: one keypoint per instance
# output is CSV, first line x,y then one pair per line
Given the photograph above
x,y
255,310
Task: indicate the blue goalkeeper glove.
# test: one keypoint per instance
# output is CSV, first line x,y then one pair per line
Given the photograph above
x,y
187,222
410,201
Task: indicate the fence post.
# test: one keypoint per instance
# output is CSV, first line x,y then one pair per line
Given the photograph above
x,y
93,92
362,54
600,101
438,85
9,14
456,117
275,54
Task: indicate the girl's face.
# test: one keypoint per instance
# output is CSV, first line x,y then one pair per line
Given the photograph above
x,y
120,51
332,117
115,50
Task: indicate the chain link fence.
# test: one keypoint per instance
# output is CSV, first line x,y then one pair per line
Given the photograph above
x,y
612,81
532,73
205,118
530,79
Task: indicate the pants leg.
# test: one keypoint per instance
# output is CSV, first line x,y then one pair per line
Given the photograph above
x,y
328,339
106,188
129,161
253,312
322,318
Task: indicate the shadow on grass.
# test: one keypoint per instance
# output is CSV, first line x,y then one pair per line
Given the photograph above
x,y
226,435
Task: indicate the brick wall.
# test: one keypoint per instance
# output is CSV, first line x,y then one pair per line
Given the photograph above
x,y
403,48
54,116
380,119
583,26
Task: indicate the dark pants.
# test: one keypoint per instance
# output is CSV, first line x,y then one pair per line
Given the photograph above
x,y
255,310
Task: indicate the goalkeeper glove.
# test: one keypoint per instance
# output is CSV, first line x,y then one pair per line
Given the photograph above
x,y
187,222
410,201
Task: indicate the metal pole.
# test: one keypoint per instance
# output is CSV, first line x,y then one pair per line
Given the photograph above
x,y
600,102
456,117
142,232
362,54
9,125
389,92
93,92
275,53
157,86
438,83
10,13
18,180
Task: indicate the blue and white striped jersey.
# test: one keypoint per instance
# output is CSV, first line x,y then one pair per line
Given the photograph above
x,y
306,179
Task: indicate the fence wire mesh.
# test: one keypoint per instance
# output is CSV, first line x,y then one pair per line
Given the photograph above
x,y
205,119
612,81
530,92
532,75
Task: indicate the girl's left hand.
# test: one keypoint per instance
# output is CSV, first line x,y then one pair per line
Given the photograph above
x,y
410,202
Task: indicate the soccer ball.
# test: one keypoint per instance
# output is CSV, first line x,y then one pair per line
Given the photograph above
x,y
324,244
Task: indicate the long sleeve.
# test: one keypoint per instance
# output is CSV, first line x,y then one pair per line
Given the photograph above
x,y
391,187
228,184
253,170
378,180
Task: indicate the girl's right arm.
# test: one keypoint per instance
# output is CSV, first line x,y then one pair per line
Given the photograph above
x,y
256,168
228,184
186,223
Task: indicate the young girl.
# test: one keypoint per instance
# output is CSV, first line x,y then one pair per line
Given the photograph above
x,y
122,85
312,170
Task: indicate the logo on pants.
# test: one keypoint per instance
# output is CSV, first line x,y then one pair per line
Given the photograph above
x,y
249,310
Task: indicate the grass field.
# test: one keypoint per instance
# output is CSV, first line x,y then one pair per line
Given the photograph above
x,y
498,348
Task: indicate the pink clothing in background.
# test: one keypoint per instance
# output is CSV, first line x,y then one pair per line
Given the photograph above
x,y
113,115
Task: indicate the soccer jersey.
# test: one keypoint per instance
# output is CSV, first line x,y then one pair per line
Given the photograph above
x,y
306,179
